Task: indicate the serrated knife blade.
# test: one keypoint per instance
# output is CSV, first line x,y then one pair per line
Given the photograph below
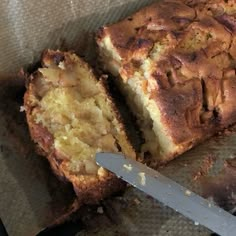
x,y
169,193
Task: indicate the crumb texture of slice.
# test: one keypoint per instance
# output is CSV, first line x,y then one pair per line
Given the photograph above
x,y
71,117
175,63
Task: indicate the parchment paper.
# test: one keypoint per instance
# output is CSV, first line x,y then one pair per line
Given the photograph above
x,y
31,198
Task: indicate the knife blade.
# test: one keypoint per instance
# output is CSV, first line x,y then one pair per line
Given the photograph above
x,y
169,193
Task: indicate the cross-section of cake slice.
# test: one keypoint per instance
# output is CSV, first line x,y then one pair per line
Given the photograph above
x,y
175,63
71,116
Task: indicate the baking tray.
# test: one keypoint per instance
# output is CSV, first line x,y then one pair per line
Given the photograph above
x,y
31,198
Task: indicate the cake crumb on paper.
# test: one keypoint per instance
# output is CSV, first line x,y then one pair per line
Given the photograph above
x,y
100,210
22,108
205,167
137,201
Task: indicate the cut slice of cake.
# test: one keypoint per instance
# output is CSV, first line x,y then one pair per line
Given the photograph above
x,y
71,116
175,63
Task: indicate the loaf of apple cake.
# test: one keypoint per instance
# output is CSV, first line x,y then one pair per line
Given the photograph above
x,y
175,63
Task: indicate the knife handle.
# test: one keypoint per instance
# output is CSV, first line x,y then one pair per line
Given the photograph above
x,y
3,231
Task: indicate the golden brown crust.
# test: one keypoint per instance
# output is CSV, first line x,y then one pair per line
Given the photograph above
x,y
185,52
89,188
134,34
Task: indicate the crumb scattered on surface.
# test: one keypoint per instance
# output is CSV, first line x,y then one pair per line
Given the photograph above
x,y
142,178
128,167
137,201
22,108
205,167
184,164
100,210
188,192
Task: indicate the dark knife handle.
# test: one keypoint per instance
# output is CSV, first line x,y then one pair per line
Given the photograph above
x,y
3,231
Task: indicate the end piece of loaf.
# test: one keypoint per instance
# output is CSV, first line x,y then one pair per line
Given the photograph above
x,y
175,62
71,116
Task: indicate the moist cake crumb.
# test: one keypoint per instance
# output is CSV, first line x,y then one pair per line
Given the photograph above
x,y
188,192
128,167
142,178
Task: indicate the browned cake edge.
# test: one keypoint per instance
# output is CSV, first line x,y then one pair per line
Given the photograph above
x,y
89,189
128,43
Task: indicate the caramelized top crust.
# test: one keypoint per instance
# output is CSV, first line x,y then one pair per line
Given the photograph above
x,y
185,52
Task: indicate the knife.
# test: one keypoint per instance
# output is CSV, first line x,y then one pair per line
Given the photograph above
x,y
169,193
3,231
